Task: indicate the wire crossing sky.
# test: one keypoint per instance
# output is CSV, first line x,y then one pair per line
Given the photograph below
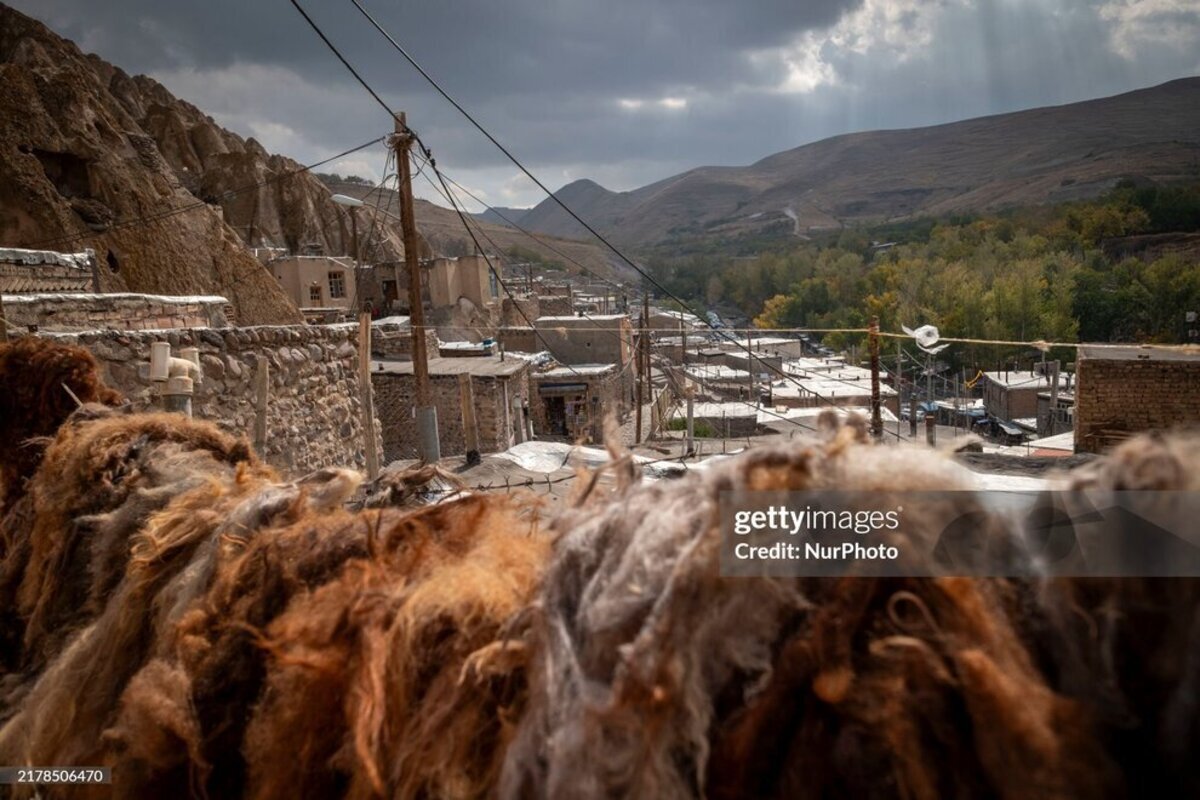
x,y
627,92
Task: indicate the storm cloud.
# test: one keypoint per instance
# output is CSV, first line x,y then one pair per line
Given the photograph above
x,y
627,91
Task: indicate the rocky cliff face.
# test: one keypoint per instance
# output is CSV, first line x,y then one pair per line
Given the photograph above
x,y
91,157
293,212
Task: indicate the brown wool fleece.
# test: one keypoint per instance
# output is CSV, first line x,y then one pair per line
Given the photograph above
x,y
208,630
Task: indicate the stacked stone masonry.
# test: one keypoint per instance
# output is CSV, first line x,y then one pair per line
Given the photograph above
x,y
120,311
313,408
395,400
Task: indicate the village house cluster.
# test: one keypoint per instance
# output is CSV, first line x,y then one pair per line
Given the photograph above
x,y
550,356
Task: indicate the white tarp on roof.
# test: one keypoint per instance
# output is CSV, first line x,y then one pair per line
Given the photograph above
x,y
14,255
773,414
79,297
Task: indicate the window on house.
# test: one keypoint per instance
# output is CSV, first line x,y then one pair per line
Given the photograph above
x,y
492,284
314,295
337,284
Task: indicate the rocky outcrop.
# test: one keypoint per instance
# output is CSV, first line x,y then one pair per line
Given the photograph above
x,y
91,157
218,166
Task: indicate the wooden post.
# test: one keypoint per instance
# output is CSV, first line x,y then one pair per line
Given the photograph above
x,y
956,393
912,415
637,422
262,389
646,343
427,434
1053,426
366,405
899,385
466,397
3,322
876,412
750,370
930,429
691,428
683,338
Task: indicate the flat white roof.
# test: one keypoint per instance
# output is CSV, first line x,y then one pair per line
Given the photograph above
x,y
1140,353
17,255
717,410
823,387
489,366
91,297
577,370
718,372
1014,379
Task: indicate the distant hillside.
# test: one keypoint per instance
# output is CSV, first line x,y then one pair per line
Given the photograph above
x,y
504,217
444,231
1023,158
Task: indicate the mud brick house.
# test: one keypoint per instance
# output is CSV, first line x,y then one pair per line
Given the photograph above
x,y
1013,394
572,401
44,271
500,388
1122,390
595,339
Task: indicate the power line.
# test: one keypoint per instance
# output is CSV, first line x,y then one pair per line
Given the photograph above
x,y
645,275
533,236
433,164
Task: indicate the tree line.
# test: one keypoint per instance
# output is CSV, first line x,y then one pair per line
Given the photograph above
x,y
1048,273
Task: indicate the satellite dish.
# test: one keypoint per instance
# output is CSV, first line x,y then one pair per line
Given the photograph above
x,y
926,337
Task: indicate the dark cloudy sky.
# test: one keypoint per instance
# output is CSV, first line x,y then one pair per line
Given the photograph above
x,y
627,91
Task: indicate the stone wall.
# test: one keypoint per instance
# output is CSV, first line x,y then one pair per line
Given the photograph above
x,y
598,396
117,311
553,306
601,339
395,399
519,312
1114,398
519,340
58,275
396,342
313,409
1008,404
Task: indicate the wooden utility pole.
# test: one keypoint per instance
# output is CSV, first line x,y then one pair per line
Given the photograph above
x,y
646,356
428,445
899,386
466,396
873,345
750,370
691,426
1052,427
366,395
637,434
683,341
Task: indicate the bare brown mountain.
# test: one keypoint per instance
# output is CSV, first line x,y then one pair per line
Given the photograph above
x,y
1023,158
80,168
